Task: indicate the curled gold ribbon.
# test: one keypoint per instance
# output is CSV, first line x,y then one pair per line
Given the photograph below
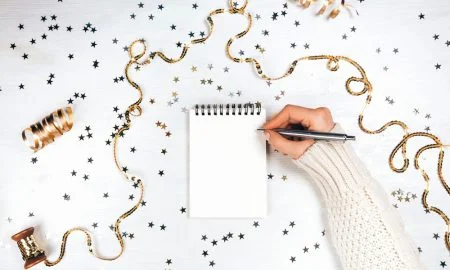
x,y
326,5
332,65
44,132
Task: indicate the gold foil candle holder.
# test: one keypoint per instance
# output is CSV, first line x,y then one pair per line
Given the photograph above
x,y
41,133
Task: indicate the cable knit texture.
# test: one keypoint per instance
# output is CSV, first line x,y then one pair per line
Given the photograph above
x,y
365,229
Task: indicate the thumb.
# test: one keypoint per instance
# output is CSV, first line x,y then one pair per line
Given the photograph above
x,y
293,149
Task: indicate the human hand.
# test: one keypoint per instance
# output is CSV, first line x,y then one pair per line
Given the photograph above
x,y
318,119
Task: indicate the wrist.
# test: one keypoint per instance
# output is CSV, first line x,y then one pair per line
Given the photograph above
x,y
334,166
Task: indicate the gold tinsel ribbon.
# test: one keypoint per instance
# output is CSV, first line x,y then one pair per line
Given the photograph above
x,y
333,65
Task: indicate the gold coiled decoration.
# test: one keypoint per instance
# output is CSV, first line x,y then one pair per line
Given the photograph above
x,y
38,135
32,254
326,5
332,64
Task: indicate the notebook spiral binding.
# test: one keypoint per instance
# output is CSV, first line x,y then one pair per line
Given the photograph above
x,y
228,109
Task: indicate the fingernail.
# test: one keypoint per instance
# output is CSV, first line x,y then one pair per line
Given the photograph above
x,y
267,135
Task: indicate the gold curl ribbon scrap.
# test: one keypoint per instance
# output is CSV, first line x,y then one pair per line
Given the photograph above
x,y
326,5
44,132
333,65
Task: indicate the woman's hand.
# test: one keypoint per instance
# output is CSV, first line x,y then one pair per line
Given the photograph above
x,y
318,119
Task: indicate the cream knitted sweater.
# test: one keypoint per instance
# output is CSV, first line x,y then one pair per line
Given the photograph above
x,y
366,230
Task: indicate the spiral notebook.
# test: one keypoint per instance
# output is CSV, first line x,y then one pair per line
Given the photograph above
x,y
227,161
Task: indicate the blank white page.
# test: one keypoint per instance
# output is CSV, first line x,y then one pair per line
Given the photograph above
x,y
227,166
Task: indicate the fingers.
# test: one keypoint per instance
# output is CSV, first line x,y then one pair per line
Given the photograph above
x,y
294,149
291,114
318,119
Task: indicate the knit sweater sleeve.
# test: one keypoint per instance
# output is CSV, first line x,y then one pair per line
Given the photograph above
x,y
365,229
